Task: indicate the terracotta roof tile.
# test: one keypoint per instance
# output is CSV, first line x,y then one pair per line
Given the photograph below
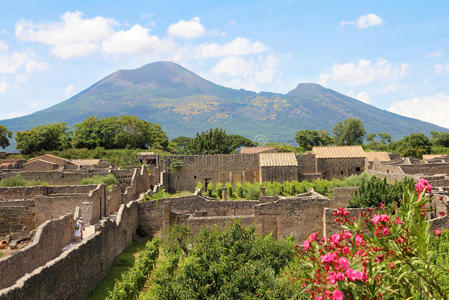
x,y
381,156
338,151
283,159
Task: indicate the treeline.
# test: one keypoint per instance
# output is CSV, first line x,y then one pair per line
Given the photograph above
x,y
130,132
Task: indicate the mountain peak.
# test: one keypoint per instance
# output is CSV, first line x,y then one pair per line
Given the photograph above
x,y
158,75
306,88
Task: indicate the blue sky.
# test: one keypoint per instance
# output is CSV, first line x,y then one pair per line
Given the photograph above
x,y
391,54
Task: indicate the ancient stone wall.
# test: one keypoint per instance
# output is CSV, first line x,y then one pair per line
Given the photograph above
x,y
196,223
296,216
47,243
340,167
51,206
76,272
426,169
114,199
151,213
306,163
40,165
213,168
16,216
342,195
279,174
391,177
23,192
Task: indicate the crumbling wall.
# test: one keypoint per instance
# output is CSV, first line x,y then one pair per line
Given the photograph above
x,y
279,174
231,168
16,216
52,178
342,195
48,242
296,216
340,167
426,169
76,272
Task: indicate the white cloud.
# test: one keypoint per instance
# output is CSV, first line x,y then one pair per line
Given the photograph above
x,y
68,91
237,47
186,29
435,54
365,21
11,62
72,37
232,22
434,109
2,86
134,40
441,69
364,72
251,73
34,66
3,47
362,96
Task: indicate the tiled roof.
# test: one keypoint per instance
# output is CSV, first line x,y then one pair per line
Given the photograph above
x,y
47,156
86,162
381,156
255,150
283,159
338,151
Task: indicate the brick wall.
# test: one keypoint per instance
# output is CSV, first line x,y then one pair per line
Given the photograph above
x,y
279,174
306,163
16,216
340,167
342,195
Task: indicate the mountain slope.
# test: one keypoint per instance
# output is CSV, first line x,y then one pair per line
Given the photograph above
x,y
184,103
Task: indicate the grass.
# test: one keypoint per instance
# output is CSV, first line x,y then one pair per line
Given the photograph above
x,y
18,180
121,264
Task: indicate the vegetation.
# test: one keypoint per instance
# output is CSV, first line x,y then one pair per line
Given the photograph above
x,y
121,264
5,135
373,192
45,137
212,141
349,132
396,256
118,133
131,282
248,191
234,263
18,180
307,139
109,180
162,194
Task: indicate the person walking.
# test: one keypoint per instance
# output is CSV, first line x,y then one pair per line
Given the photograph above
x,y
78,231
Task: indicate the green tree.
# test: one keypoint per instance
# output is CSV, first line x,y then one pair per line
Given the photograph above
x,y
349,132
440,138
415,145
307,139
378,142
282,147
238,141
182,143
45,137
213,141
5,135
118,133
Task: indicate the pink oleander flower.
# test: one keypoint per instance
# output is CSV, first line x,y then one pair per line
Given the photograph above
x,y
361,275
437,232
337,295
313,236
385,231
380,218
392,265
306,245
335,239
343,263
398,221
342,212
346,235
422,185
335,276
329,257
345,250
358,239
320,297
350,274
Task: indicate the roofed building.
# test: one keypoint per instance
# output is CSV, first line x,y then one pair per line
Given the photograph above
x,y
278,166
59,161
257,150
339,161
380,156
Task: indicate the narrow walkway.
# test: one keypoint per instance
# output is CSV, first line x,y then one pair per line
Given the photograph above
x,y
89,231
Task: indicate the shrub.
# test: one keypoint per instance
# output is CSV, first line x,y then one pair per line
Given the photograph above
x,y
109,180
132,281
392,258
218,187
18,180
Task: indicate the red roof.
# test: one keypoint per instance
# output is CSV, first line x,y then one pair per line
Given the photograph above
x,y
255,150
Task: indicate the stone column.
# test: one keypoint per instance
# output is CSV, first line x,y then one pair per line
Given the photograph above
x,y
224,193
262,191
